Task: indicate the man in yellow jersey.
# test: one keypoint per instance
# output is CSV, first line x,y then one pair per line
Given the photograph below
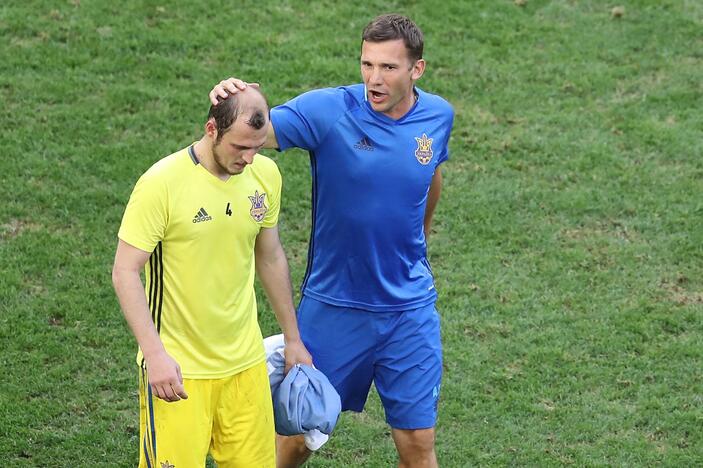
x,y
201,222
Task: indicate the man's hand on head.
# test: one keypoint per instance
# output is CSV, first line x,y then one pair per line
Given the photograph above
x,y
227,87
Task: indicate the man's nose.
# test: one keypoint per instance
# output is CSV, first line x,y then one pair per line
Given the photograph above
x,y
248,156
375,75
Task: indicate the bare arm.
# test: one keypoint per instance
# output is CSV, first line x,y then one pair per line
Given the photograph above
x,y
272,269
230,86
164,372
433,199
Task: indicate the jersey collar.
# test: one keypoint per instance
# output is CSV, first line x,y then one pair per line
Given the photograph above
x,y
383,117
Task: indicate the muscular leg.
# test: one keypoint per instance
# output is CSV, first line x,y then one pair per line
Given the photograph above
x,y
341,341
408,376
415,448
291,452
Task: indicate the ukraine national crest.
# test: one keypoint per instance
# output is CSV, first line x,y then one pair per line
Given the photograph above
x,y
258,207
423,153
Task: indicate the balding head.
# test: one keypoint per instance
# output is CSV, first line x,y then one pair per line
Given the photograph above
x,y
249,104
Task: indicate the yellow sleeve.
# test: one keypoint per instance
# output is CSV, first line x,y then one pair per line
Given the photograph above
x,y
274,176
146,216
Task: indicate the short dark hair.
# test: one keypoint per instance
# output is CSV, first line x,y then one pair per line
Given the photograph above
x,y
390,27
228,109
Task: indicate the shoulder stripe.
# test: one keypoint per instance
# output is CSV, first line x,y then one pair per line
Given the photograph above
x,y
152,285
161,285
156,285
311,243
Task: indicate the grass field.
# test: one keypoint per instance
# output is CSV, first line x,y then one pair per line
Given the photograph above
x,y
568,244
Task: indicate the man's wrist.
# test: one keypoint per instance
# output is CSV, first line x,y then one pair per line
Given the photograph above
x,y
154,352
292,338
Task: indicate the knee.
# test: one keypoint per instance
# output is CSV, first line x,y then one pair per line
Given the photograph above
x,y
291,452
415,444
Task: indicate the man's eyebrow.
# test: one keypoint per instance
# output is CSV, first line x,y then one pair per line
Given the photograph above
x,y
383,64
246,147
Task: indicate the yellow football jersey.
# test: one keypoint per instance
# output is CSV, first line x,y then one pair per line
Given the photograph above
x,y
200,276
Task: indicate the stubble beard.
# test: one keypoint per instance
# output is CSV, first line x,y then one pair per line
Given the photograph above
x,y
220,161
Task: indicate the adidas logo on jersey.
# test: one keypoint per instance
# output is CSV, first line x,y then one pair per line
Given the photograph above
x,y
364,144
201,216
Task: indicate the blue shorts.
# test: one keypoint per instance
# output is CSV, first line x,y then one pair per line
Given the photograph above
x,y
400,352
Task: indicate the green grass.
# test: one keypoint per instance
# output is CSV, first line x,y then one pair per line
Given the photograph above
x,y
568,244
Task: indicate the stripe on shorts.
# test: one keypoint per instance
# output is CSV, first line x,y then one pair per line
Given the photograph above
x,y
150,435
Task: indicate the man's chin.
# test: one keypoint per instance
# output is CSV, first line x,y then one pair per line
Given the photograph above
x,y
236,170
378,106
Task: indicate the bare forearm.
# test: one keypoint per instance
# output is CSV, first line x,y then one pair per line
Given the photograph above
x,y
275,278
272,269
432,200
130,293
427,224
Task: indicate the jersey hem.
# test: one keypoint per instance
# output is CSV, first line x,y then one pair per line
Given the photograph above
x,y
371,307
218,375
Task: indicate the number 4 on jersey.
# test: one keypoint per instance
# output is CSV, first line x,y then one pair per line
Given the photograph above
x,y
228,212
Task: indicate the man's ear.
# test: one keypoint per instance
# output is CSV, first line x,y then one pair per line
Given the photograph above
x,y
211,128
418,69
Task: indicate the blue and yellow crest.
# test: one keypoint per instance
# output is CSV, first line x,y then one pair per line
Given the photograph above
x,y
258,207
423,153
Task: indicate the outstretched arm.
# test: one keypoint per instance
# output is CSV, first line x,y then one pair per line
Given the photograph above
x,y
230,86
164,372
432,199
272,269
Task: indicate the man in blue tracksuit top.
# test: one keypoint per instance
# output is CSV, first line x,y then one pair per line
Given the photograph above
x,y
368,307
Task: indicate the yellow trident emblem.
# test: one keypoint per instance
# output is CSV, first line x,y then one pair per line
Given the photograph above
x,y
258,207
423,153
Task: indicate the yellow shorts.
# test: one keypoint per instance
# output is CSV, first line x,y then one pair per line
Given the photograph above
x,y
231,418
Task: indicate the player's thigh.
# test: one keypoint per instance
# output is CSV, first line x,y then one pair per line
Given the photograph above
x,y
163,440
243,430
341,342
408,370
